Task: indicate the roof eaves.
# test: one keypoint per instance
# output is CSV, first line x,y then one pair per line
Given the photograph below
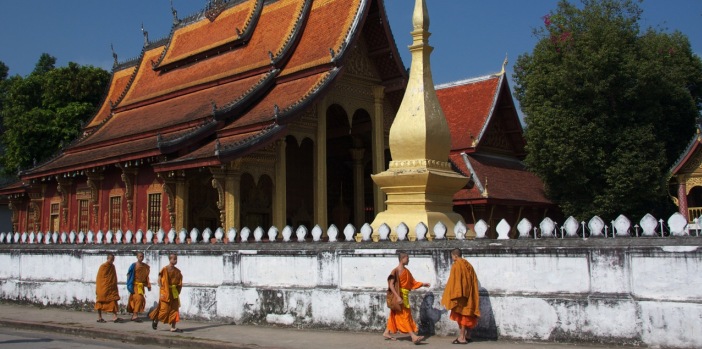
x,y
473,174
279,58
253,93
493,106
351,34
685,154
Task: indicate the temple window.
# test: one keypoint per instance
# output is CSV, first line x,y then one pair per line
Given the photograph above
x,y
83,215
154,212
54,217
115,213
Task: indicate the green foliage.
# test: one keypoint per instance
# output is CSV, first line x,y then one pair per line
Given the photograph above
x,y
609,108
44,111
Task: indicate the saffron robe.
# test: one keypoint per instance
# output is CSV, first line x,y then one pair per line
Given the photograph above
x,y
106,292
170,281
402,321
461,294
137,281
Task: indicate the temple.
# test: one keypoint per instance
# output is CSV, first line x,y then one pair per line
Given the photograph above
x,y
265,113
686,180
488,146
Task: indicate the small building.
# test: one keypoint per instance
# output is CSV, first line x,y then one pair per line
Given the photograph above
x,y
686,180
488,146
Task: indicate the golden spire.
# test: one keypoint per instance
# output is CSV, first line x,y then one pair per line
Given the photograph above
x,y
420,130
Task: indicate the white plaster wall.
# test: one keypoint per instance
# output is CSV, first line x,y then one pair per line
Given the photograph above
x,y
524,318
9,266
199,270
328,307
279,271
531,297
234,301
533,274
50,267
370,272
671,325
609,272
666,278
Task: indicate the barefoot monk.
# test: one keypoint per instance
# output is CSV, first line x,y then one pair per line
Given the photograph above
x,y
461,296
106,292
170,281
402,321
137,280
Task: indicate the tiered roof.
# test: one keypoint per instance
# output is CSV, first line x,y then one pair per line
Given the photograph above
x,y
226,83
487,144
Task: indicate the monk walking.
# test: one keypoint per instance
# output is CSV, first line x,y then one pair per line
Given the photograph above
x,y
170,281
106,291
137,279
402,321
461,296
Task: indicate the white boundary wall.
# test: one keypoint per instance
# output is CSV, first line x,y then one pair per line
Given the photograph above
x,y
629,291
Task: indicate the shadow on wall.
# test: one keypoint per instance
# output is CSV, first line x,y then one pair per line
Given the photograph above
x,y
429,316
487,328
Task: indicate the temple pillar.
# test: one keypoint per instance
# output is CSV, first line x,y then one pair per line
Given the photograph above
x,y
279,201
682,199
378,143
358,198
180,217
320,167
232,199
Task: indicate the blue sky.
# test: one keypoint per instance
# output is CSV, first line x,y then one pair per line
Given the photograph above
x,y
470,37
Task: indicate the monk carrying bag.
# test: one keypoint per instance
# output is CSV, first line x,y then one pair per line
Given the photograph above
x,y
392,303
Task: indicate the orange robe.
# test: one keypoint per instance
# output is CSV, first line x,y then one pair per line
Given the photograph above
x,y
137,302
461,295
170,280
106,291
403,321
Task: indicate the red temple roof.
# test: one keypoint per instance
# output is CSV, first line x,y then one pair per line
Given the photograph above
x,y
227,84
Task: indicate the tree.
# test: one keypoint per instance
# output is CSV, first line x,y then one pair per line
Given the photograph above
x,y
44,111
608,108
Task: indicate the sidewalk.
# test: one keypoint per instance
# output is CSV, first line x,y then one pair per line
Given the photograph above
x,y
200,334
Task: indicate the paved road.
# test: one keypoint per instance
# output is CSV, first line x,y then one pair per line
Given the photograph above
x,y
11,338
80,328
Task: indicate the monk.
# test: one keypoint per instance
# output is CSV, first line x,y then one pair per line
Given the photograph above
x,y
402,321
137,279
461,296
106,291
170,281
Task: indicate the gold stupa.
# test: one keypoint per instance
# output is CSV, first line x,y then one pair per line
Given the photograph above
x,y
419,182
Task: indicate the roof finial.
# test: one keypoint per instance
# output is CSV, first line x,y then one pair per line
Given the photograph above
x,y
218,147
175,14
114,56
485,191
504,65
146,34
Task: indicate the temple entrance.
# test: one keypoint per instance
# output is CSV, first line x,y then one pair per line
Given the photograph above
x,y
202,202
694,203
256,201
349,166
339,168
299,182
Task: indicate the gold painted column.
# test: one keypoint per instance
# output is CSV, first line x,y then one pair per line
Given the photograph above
x,y
181,204
378,143
279,201
232,190
419,182
358,198
320,167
